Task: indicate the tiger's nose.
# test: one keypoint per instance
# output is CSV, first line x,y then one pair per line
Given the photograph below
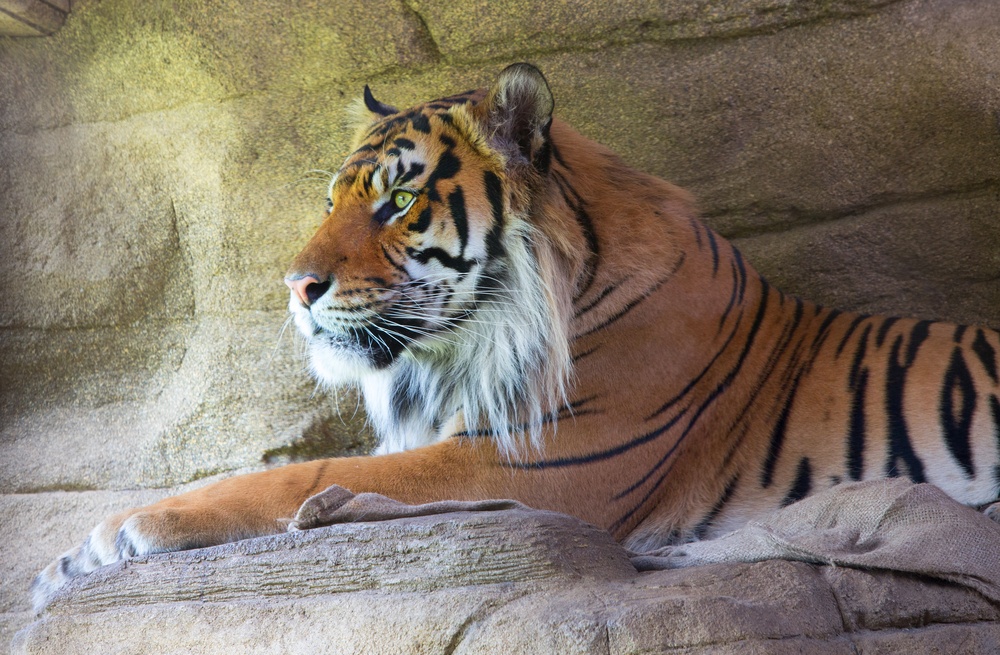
x,y
307,288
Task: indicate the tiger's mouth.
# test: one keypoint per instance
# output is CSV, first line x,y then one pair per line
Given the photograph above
x,y
377,328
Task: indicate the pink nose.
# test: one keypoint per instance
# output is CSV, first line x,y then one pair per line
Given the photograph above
x,y
307,288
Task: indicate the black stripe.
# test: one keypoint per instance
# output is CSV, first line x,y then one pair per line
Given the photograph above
x,y
713,244
900,447
777,441
456,203
802,485
624,310
857,383
693,381
405,397
427,254
586,227
856,430
365,150
995,411
859,358
701,530
919,334
605,292
494,193
404,143
887,323
573,409
778,434
423,221
850,330
392,262
957,425
555,152
447,167
593,247
568,193
416,168
600,455
383,127
421,123
366,180
314,486
986,354
542,159
718,391
385,213
585,353
824,327
696,228
741,267
732,297
959,333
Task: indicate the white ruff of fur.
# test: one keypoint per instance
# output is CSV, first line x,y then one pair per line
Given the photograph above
x,y
503,371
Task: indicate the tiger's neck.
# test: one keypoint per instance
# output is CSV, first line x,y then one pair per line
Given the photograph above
x,y
666,315
646,269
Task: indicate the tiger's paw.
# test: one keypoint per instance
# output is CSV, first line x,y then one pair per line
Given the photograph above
x,y
134,533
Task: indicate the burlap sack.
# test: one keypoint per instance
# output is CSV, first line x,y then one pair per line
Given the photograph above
x,y
891,525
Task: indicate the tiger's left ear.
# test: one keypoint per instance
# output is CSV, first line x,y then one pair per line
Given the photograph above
x,y
518,113
376,107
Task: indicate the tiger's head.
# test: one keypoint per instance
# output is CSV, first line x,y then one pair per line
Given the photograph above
x,y
431,284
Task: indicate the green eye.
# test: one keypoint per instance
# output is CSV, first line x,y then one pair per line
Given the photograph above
x,y
402,198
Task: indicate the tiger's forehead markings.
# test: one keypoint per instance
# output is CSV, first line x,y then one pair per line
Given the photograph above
x,y
418,118
388,138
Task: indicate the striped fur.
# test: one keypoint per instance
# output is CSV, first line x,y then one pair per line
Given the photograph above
x,y
743,400
533,319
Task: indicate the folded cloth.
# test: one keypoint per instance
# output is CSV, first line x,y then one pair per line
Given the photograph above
x,y
338,505
890,525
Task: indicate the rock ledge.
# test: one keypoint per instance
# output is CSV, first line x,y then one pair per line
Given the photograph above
x,y
516,581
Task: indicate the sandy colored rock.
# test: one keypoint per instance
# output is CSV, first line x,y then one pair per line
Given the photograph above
x,y
161,164
513,27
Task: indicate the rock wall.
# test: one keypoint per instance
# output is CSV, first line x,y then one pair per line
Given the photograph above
x,y
160,163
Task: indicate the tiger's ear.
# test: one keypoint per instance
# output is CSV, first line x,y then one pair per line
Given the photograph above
x,y
376,107
517,114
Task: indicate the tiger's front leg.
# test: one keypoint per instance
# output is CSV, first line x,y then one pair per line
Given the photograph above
x,y
233,509
262,503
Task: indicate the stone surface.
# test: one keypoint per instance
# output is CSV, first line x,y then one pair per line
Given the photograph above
x,y
19,18
516,27
160,164
518,581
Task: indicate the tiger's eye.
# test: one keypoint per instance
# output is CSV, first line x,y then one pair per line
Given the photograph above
x,y
402,198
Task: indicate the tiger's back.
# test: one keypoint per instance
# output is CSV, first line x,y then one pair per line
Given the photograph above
x,y
729,399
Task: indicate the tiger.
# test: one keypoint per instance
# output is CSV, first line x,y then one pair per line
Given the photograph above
x,y
528,317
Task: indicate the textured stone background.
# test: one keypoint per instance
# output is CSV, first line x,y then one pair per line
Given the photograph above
x,y
157,173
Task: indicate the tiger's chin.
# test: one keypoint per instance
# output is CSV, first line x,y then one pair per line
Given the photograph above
x,y
339,365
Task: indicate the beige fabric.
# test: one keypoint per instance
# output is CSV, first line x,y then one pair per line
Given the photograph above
x,y
880,524
338,505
